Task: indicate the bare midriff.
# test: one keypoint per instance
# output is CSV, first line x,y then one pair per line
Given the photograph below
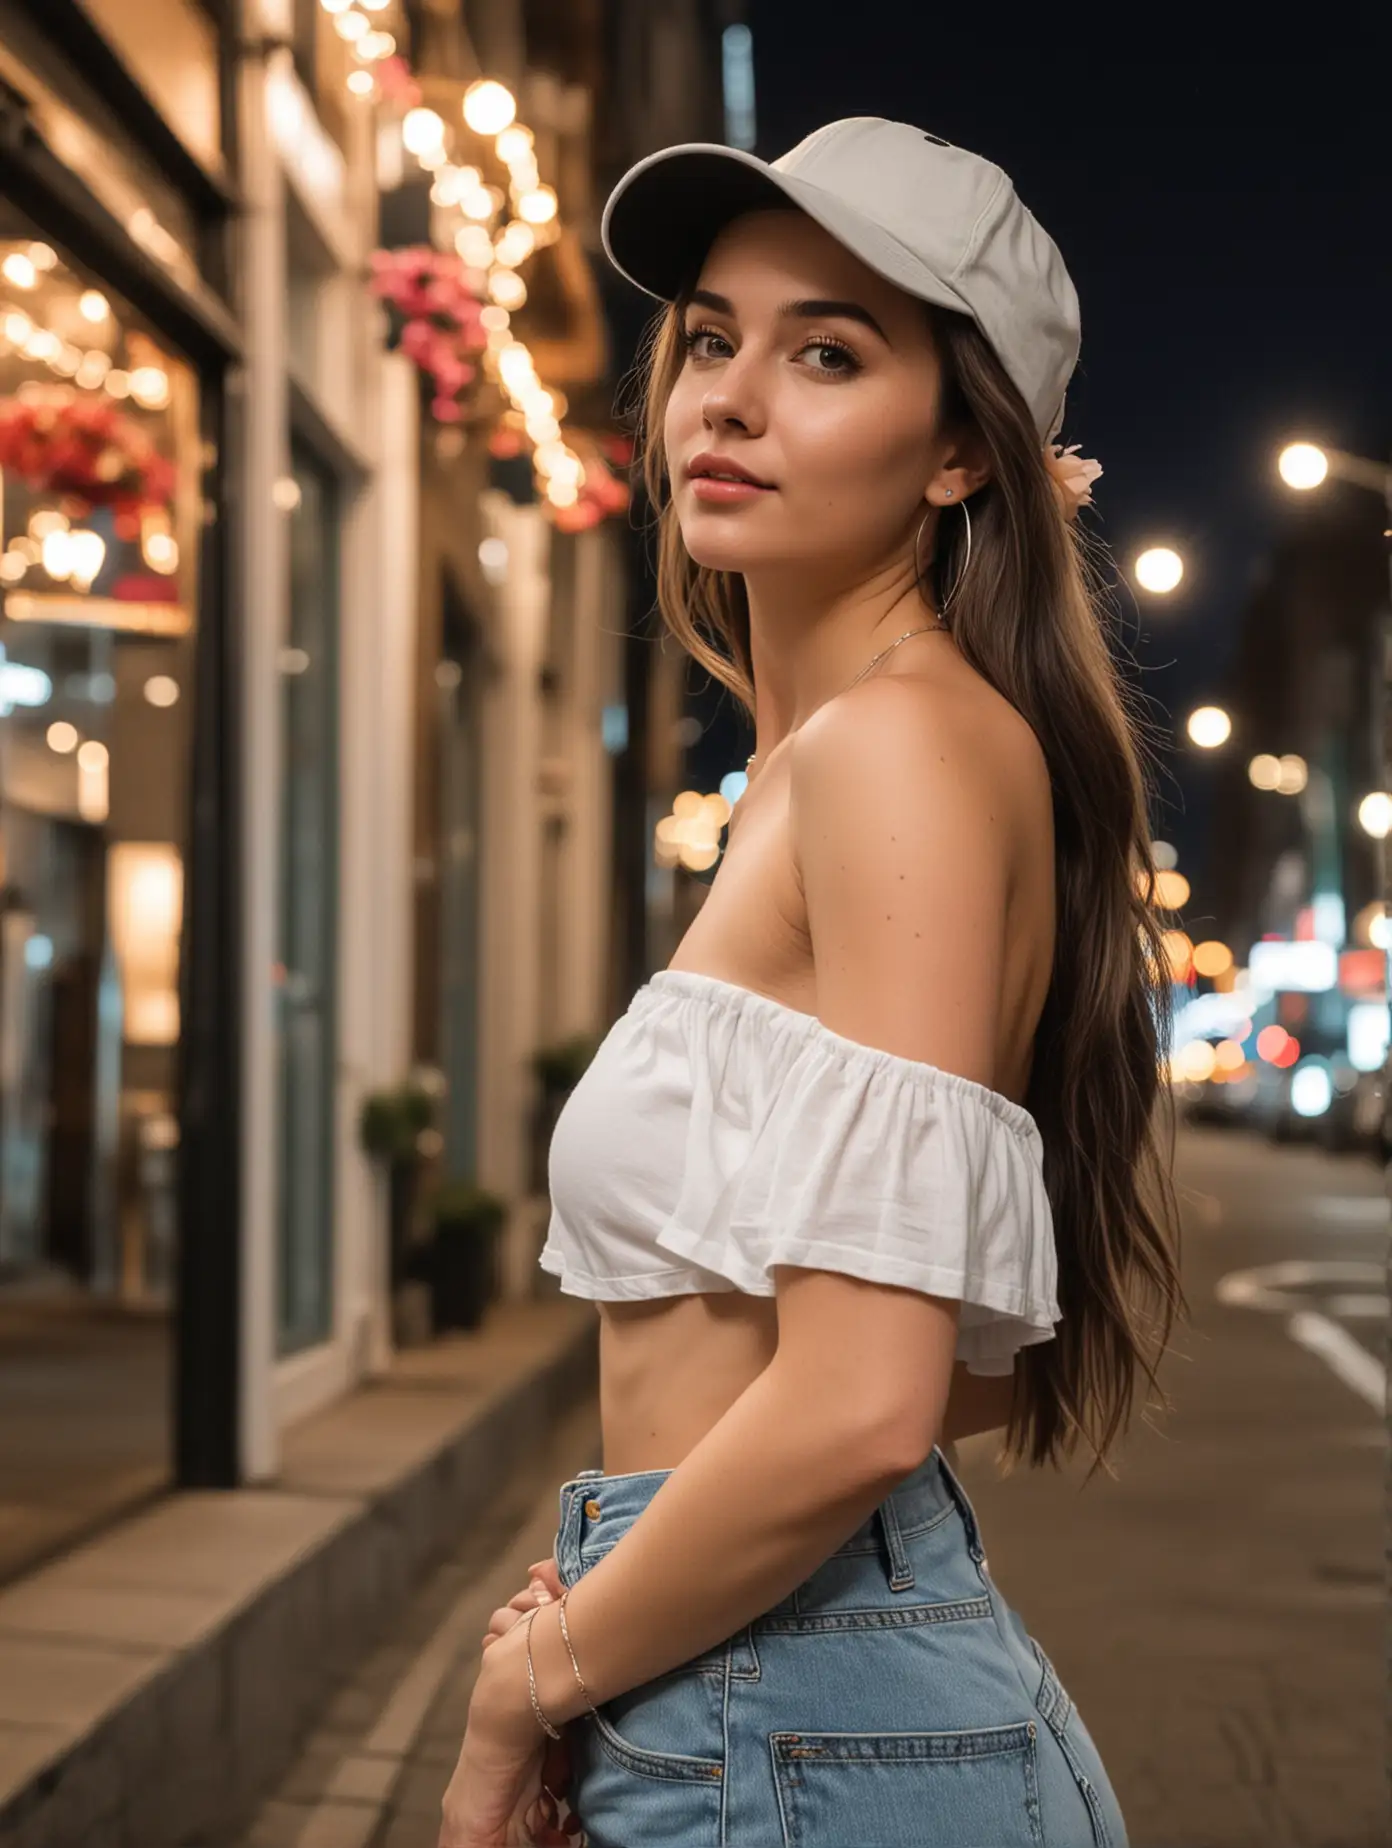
x,y
671,1367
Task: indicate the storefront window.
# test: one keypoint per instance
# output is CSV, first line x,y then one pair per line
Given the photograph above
x,y
309,828
99,526
85,132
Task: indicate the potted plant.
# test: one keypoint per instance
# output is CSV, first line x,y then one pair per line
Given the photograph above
x,y
558,1070
397,1126
462,1263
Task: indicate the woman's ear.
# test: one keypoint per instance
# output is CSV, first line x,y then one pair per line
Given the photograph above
x,y
965,467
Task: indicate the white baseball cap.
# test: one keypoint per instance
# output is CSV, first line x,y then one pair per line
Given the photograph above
x,y
941,223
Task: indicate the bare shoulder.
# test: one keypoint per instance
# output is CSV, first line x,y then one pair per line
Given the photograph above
x,y
946,733
912,825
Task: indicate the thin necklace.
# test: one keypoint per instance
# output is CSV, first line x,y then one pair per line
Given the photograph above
x,y
866,669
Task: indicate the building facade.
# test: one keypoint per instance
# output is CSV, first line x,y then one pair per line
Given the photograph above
x,y
334,720
121,346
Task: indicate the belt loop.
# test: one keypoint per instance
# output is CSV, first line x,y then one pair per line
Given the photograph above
x,y
964,1508
901,1575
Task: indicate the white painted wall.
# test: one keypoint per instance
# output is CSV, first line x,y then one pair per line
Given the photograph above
x,y
368,400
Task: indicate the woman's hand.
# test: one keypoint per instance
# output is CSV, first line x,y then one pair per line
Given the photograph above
x,y
493,1799
509,1770
544,1585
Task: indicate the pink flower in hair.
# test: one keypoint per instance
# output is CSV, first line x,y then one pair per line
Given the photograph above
x,y
1072,477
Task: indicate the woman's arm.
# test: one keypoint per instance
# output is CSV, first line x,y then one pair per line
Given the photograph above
x,y
774,1488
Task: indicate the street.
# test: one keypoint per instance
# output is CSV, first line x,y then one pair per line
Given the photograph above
x,y
1216,1612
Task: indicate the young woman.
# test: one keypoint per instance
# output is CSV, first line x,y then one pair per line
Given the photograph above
x,y
876,1162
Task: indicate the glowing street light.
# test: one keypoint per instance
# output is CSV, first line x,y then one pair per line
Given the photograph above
x,y
1307,465
1375,814
1208,727
1159,569
1302,465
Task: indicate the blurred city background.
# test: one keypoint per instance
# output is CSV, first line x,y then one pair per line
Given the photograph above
x,y
348,791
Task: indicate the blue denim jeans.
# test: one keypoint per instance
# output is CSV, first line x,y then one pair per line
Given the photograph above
x,y
892,1699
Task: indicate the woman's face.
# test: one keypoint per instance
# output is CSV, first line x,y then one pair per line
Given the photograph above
x,y
820,378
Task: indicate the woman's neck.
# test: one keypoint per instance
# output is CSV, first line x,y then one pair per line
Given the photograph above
x,y
807,646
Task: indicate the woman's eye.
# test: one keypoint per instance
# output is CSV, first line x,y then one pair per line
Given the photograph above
x,y
840,357
697,337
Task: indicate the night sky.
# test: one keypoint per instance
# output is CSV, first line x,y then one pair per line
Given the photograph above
x,y
1224,216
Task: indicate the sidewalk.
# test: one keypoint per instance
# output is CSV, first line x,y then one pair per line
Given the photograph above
x,y
156,1681
374,1771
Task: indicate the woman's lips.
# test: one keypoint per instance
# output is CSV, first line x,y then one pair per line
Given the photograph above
x,y
725,492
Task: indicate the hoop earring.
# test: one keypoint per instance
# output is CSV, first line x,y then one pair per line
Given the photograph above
x,y
966,562
942,611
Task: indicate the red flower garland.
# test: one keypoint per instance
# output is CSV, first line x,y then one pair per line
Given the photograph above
x,y
85,450
441,329
440,314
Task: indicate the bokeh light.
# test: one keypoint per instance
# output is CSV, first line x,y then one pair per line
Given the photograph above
x,y
1159,569
1302,465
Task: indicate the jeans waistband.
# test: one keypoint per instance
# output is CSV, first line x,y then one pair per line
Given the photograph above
x,y
590,1501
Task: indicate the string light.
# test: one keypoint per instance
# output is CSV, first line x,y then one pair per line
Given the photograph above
x,y
88,557
422,131
514,143
489,107
475,246
507,288
149,386
537,207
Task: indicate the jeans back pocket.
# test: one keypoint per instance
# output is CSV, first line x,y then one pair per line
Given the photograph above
x,y
900,1790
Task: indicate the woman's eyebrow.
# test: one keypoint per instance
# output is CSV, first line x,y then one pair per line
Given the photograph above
x,y
804,311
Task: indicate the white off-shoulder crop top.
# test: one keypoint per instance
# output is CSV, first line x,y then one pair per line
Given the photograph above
x,y
717,1132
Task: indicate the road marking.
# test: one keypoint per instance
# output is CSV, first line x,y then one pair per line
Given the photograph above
x,y
1351,1209
1277,1289
1271,1286
1355,1366
1363,1306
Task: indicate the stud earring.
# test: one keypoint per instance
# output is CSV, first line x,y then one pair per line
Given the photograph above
x,y
947,493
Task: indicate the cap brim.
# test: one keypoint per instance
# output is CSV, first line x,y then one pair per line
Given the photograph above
x,y
666,212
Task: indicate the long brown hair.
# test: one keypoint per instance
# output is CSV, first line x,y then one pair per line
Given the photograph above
x,y
1031,615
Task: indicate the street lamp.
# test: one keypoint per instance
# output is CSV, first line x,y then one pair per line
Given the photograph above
x,y
1302,465
1208,727
1375,814
1158,569
1287,775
